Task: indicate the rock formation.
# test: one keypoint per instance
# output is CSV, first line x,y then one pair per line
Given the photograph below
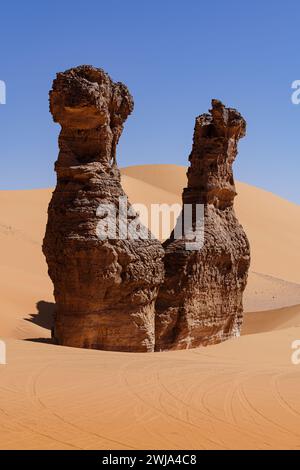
x,y
200,301
105,290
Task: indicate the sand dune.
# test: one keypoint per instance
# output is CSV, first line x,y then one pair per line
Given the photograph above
x,y
272,223
240,394
271,320
265,292
23,271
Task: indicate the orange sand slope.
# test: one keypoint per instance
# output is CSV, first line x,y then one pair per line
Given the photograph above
x,y
272,223
239,394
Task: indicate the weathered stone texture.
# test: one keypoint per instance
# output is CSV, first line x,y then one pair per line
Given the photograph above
x,y
105,291
200,301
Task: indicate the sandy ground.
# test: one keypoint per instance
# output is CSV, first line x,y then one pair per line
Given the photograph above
x,y
240,394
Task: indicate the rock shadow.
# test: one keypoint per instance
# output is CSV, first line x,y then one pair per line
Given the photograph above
x,y
44,317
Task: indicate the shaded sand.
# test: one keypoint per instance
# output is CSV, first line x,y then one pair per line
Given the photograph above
x,y
240,394
279,319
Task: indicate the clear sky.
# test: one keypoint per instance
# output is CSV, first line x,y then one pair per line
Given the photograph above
x,y
174,55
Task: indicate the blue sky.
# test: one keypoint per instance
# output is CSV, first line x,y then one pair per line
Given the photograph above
x,y
174,56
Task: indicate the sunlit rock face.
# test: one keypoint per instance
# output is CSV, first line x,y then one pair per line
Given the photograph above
x,y
200,301
105,290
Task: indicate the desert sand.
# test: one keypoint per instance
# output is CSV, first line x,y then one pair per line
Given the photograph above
x,y
240,394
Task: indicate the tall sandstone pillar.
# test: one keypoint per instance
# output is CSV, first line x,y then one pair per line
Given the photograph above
x,y
105,290
200,301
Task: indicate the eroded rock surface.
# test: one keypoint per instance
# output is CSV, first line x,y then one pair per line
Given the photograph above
x,y
200,302
105,290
